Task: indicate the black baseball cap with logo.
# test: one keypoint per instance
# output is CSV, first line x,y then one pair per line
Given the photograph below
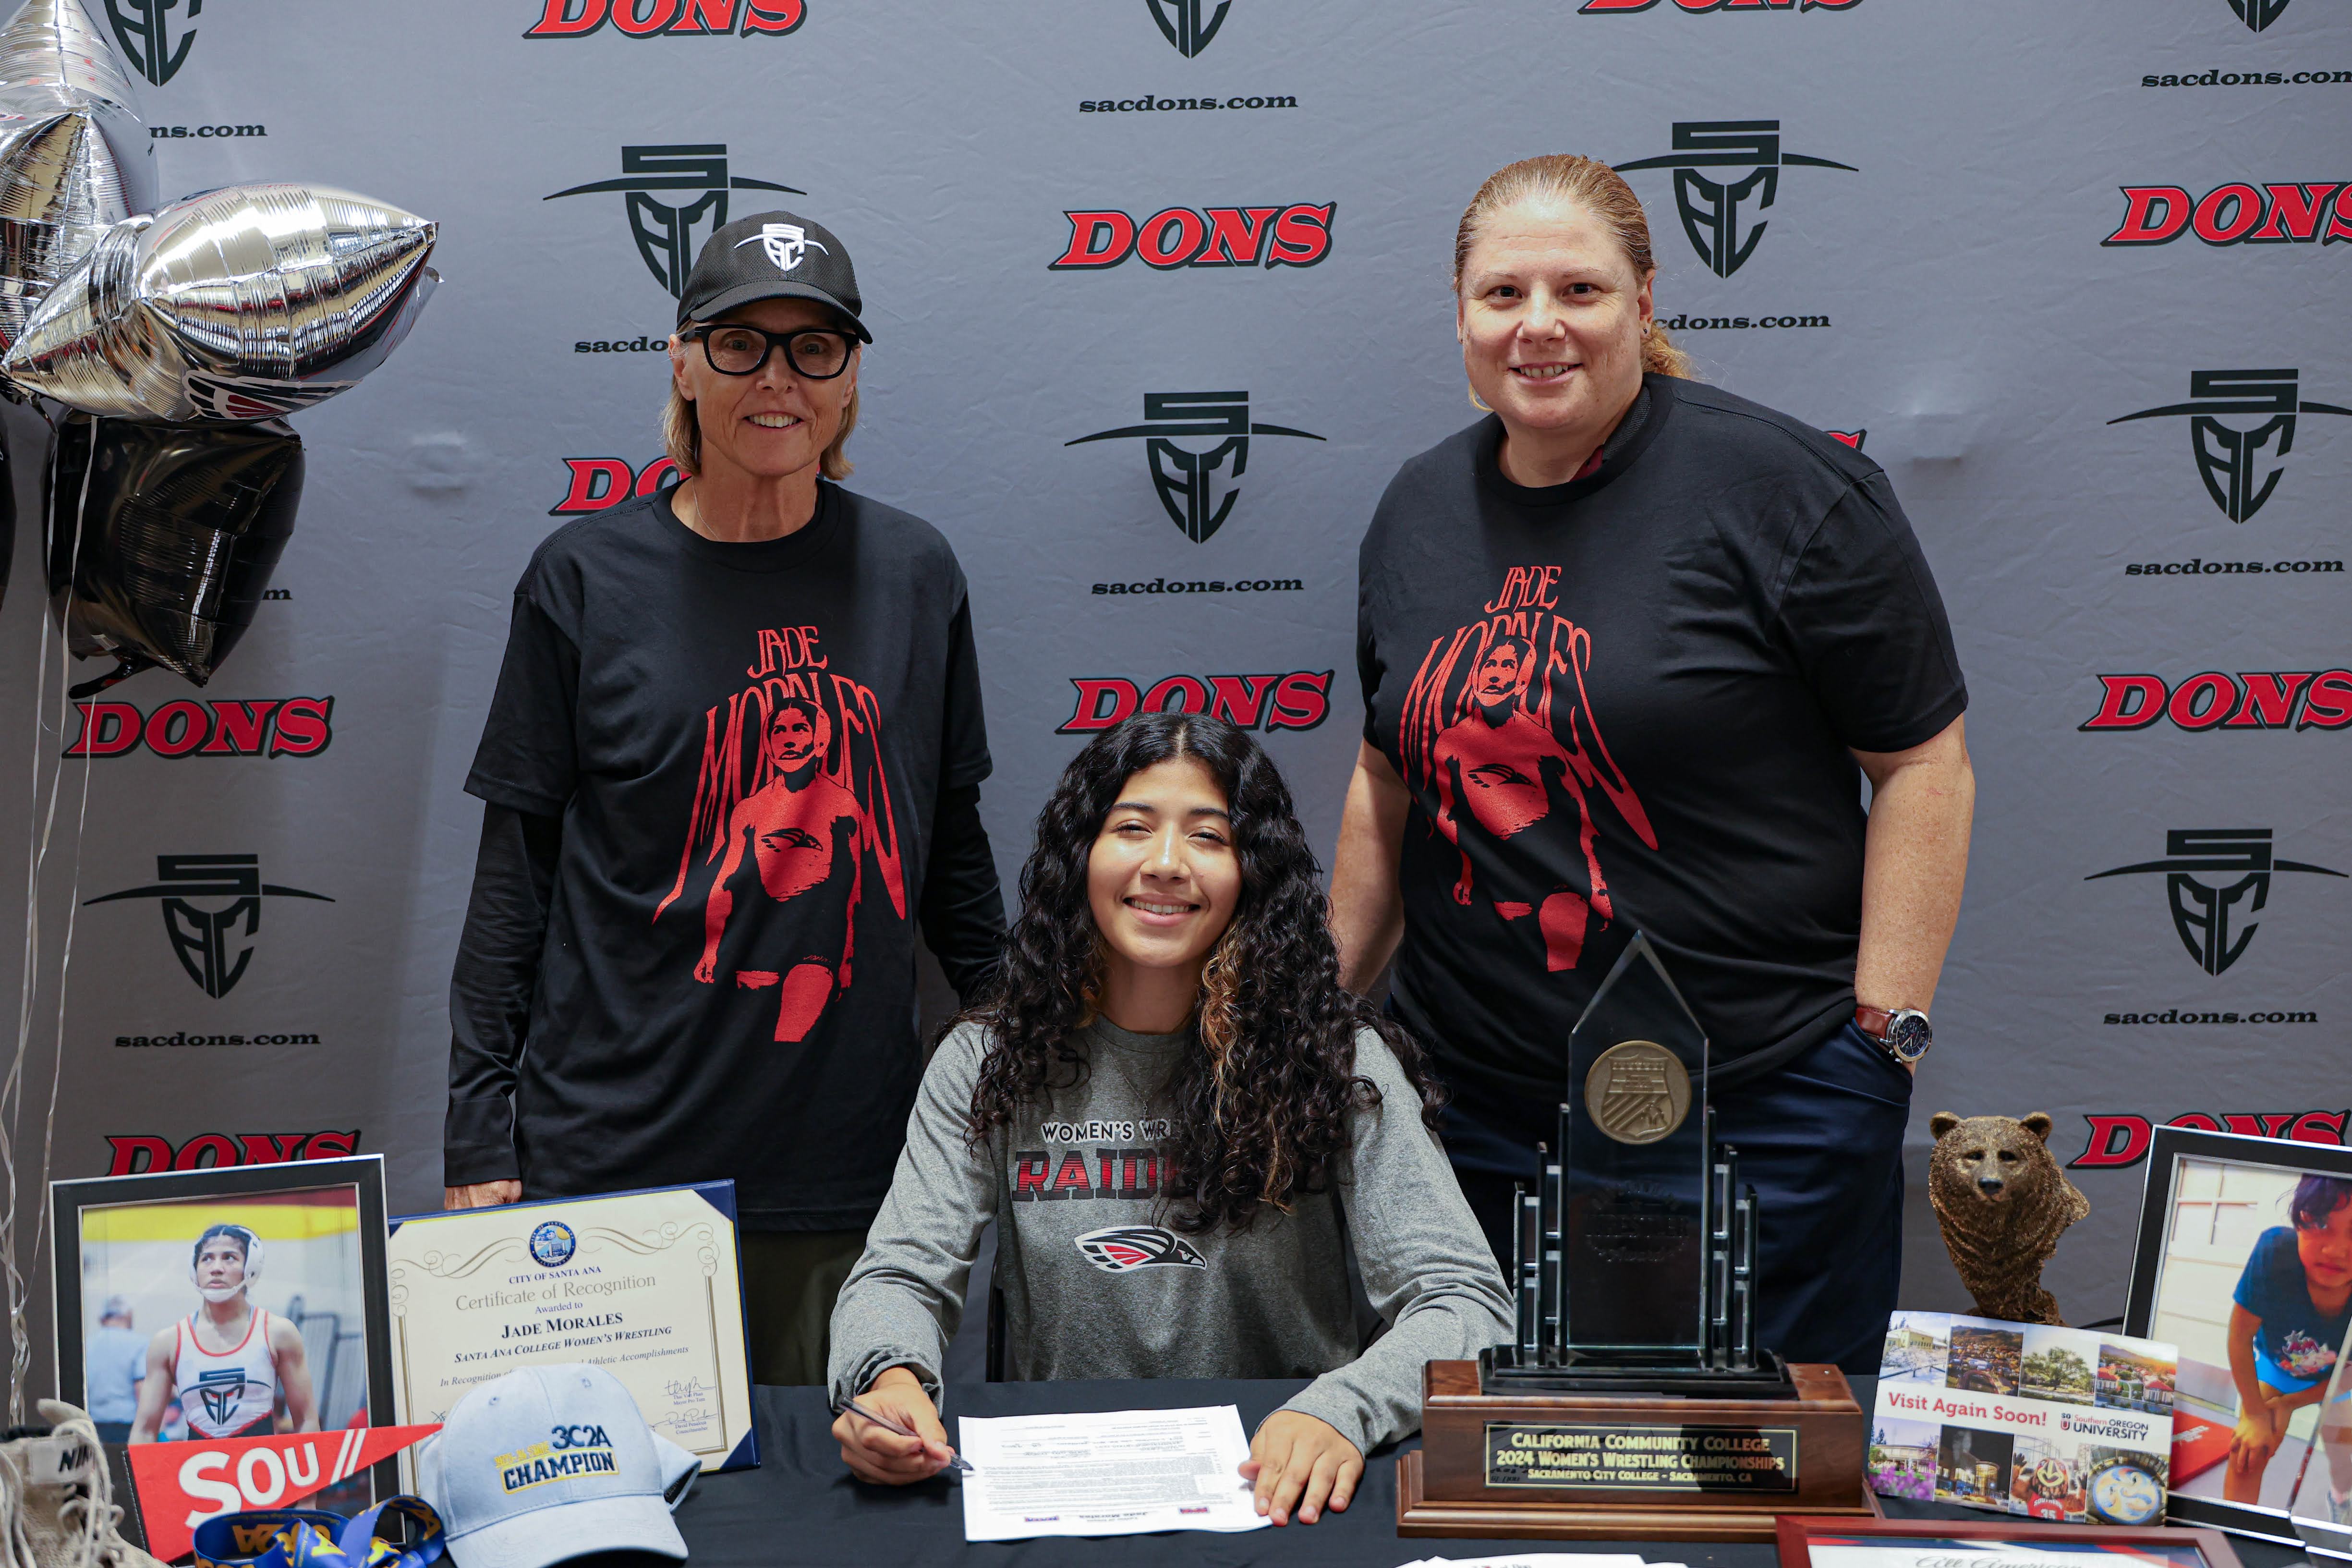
x,y
772,256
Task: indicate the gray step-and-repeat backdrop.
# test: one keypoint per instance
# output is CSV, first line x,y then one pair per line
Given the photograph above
x,y
2076,275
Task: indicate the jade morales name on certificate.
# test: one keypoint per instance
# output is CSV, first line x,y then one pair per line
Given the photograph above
x,y
643,1284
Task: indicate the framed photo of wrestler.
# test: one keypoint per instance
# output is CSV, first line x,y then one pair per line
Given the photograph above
x,y
227,1303
2244,1261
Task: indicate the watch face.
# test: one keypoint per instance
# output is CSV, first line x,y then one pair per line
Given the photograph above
x,y
2125,1493
1907,1036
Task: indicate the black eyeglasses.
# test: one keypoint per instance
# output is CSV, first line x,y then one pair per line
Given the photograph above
x,y
816,352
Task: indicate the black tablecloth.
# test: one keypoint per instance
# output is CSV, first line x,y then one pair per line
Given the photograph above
x,y
800,1507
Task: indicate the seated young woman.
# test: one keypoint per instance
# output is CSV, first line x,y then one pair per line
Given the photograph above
x,y
1169,1040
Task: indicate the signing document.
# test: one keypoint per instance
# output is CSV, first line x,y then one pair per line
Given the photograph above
x,y
1121,1472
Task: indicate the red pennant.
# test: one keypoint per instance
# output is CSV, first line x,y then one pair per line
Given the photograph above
x,y
181,1485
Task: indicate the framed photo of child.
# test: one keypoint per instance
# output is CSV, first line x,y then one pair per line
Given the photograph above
x,y
2244,1260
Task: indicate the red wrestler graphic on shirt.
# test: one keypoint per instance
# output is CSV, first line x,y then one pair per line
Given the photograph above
x,y
792,812
1514,771
803,832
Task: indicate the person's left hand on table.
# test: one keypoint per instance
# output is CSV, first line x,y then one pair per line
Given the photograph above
x,y
1299,1462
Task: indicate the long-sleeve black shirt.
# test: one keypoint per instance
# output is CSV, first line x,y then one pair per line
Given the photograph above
x,y
724,784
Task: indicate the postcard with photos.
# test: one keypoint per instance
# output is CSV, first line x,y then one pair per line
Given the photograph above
x,y
2025,1419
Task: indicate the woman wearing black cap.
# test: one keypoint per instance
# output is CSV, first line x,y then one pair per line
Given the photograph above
x,y
734,756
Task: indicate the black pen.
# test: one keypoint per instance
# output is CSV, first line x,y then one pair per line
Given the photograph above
x,y
956,1461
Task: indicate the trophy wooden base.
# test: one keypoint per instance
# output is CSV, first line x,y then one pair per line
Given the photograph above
x,y
1562,1467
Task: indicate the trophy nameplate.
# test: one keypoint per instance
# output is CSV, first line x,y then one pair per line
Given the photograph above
x,y
1633,1404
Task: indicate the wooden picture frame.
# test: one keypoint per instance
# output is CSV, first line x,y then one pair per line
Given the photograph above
x,y
1798,1533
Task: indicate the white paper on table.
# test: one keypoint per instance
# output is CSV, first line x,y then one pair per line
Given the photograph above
x,y
1120,1472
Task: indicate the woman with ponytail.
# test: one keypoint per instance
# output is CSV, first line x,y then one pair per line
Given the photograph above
x,y
1630,646
1168,1039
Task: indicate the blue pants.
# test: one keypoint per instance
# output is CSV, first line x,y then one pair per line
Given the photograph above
x,y
1821,1140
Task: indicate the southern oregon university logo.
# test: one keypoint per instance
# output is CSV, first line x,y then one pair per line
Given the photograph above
x,y
2258,14
2231,461
145,28
645,18
2210,700
1711,209
2235,214
202,937
1190,25
1186,479
669,235
2215,918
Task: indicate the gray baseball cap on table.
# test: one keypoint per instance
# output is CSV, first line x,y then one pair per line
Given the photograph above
x,y
772,256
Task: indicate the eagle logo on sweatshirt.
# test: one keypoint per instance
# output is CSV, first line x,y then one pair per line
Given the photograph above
x,y
1123,1248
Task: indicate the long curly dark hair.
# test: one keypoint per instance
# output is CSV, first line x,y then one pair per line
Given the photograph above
x,y
1259,1113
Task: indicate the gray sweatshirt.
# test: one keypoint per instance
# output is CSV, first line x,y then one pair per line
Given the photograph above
x,y
1098,1285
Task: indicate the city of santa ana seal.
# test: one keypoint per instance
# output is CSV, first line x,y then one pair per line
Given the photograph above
x,y
1637,1092
554,1243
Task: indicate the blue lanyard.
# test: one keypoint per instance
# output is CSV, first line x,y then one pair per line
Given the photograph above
x,y
364,1546
313,1538
270,1538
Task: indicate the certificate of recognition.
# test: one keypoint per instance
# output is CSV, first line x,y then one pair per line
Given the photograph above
x,y
645,1284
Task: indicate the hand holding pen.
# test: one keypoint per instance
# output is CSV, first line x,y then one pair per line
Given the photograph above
x,y
891,1434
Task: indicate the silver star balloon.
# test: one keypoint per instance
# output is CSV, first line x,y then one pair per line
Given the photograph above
x,y
74,156
248,303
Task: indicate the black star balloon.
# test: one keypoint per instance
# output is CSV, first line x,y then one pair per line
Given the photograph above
x,y
74,157
246,303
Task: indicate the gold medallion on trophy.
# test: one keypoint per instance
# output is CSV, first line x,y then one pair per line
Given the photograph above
x,y
1637,1092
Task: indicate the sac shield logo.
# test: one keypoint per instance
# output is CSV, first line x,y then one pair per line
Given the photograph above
x,y
1124,1249
1718,215
145,30
2214,917
205,941
1186,479
669,233
1188,24
2258,14
786,245
2237,462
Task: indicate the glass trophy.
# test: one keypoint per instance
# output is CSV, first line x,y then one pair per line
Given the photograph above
x,y
1635,1261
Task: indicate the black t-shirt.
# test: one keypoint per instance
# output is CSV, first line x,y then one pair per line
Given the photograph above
x,y
746,744
1624,703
